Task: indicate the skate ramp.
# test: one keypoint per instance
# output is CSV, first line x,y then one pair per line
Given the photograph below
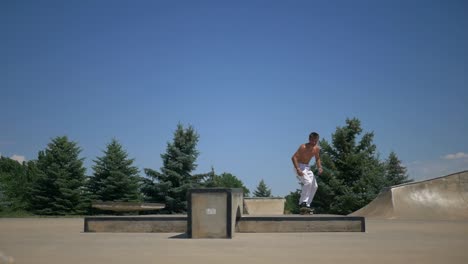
x,y
444,198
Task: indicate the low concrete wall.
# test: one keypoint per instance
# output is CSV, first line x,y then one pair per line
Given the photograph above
x,y
245,224
126,206
264,206
299,223
136,224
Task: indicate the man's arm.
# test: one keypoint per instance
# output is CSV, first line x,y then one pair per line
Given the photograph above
x,y
296,164
318,162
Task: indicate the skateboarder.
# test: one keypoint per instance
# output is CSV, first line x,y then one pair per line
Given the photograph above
x,y
307,178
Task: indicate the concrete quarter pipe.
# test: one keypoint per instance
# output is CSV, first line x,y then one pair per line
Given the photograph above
x,y
443,198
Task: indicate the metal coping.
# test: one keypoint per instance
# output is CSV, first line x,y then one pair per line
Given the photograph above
x,y
428,180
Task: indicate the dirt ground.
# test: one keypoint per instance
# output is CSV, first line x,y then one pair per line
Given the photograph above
x,y
61,240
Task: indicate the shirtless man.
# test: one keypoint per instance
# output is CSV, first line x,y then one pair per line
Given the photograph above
x,y
301,161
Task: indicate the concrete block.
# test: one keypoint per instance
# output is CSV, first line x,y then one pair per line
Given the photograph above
x,y
213,212
264,206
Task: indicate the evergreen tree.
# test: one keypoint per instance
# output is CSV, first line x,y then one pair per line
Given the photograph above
x,y
395,172
15,182
10,171
32,174
59,187
226,180
353,174
262,190
291,205
114,179
170,186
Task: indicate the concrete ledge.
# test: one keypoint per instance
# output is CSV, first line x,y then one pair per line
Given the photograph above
x,y
136,224
246,224
217,213
264,205
126,206
300,223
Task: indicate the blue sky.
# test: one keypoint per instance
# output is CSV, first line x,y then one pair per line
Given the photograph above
x,y
254,78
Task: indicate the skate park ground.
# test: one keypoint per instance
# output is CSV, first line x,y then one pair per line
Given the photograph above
x,y
62,240
420,222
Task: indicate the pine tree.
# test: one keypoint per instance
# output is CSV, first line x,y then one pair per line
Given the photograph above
x,y
353,174
15,182
262,190
170,186
226,180
395,172
291,205
59,187
114,179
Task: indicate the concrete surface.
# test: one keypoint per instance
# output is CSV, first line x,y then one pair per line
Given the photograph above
x,y
61,240
444,198
264,206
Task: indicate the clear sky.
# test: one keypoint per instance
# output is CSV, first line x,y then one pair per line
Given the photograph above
x,y
254,78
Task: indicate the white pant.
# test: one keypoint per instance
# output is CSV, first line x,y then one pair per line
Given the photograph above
x,y
309,184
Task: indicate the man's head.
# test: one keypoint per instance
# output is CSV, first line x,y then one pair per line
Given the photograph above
x,y
313,138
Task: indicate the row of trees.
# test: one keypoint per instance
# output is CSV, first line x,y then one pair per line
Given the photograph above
x,y
56,184
353,173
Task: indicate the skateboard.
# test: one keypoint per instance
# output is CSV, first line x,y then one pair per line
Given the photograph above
x,y
306,211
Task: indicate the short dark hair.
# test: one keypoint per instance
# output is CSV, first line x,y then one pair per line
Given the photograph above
x,y
314,135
